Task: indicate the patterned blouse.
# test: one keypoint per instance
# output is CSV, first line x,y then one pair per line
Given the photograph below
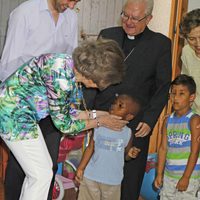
x,y
43,86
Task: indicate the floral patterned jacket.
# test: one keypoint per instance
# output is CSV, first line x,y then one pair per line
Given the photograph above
x,y
43,86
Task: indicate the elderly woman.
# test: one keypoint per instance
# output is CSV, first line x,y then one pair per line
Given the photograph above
x,y
46,85
190,30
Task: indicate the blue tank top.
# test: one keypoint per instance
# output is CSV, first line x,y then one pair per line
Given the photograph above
x,y
179,146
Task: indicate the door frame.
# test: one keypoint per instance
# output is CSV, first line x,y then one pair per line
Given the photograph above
x,y
178,8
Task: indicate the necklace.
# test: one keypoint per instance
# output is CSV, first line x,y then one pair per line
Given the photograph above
x,y
82,97
79,97
129,54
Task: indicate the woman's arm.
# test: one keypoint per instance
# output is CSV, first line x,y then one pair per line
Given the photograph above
x,y
91,114
96,118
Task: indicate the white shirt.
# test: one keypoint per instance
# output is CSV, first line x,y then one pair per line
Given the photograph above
x,y
191,67
32,32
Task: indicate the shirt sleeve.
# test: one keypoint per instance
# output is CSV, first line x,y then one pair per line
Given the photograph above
x,y
12,55
59,80
16,37
128,136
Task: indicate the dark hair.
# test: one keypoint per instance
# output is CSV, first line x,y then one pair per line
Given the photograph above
x,y
135,106
100,60
185,80
190,20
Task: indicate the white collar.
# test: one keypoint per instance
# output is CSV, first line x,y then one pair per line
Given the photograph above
x,y
131,37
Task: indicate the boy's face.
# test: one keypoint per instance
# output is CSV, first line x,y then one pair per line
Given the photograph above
x,y
120,107
181,98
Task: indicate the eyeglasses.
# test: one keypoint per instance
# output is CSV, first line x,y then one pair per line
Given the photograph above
x,y
126,17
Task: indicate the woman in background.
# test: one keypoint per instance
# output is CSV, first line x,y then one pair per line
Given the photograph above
x,y
190,30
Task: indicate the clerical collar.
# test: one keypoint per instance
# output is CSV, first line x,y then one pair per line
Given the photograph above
x,y
135,37
131,37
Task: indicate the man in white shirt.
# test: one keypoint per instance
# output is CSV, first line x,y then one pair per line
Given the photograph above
x,y
37,27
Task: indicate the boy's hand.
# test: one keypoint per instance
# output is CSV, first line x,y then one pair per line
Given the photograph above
x,y
133,152
158,181
79,175
182,184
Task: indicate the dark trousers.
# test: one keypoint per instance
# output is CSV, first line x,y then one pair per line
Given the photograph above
x,y
14,174
134,172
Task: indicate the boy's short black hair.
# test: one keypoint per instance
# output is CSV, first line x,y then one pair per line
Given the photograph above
x,y
185,80
136,104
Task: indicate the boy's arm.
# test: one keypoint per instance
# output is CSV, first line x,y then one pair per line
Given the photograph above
x,y
130,150
129,145
194,154
161,157
85,159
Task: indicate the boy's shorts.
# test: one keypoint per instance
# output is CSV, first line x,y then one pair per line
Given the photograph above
x,y
90,190
169,191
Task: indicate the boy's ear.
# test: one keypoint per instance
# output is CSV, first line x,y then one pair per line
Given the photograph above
x,y
129,117
192,97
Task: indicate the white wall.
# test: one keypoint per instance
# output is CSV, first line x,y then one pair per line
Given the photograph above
x,y
97,14
193,4
161,16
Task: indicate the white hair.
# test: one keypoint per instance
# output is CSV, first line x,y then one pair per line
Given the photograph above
x,y
149,5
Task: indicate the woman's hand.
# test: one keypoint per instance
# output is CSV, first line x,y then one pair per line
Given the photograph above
x,y
101,113
111,121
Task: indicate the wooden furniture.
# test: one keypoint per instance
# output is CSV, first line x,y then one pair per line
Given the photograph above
x,y
3,159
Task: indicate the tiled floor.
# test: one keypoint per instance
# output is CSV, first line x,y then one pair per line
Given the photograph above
x,y
68,194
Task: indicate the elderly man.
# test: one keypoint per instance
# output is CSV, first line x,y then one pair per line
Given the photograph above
x,y
148,75
37,27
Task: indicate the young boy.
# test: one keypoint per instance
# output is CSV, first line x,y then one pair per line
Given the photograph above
x,y
178,155
103,160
